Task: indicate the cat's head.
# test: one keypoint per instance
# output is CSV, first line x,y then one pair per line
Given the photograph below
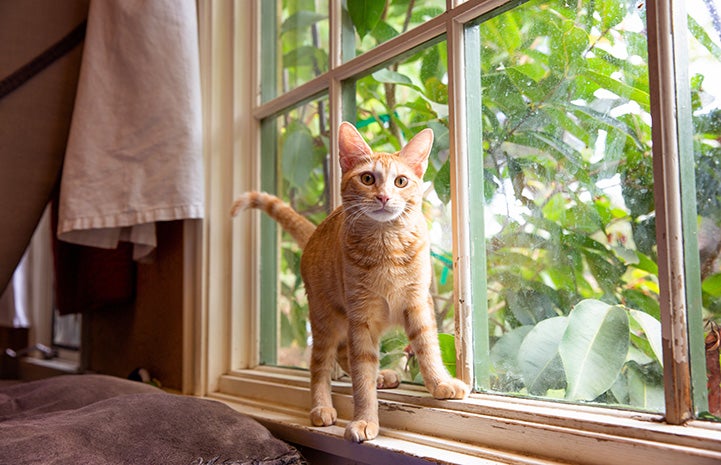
x,y
381,185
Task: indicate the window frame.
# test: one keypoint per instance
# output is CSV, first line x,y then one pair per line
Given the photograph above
x,y
222,337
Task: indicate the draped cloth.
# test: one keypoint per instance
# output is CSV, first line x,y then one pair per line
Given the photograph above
x,y
134,154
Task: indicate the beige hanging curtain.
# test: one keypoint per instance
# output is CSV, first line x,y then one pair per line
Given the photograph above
x,y
134,154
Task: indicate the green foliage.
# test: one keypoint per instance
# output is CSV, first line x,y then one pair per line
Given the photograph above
x,y
596,352
298,154
567,187
303,43
570,272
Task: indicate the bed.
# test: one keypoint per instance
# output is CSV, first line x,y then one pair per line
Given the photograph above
x,y
98,419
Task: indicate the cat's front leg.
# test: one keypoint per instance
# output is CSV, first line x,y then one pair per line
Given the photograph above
x,y
325,327
322,357
363,358
420,326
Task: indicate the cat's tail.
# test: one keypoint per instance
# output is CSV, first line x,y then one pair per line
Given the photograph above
x,y
296,224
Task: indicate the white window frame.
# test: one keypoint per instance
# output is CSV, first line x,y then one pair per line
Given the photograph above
x,y
221,318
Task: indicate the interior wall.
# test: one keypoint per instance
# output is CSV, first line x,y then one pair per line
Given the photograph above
x,y
148,332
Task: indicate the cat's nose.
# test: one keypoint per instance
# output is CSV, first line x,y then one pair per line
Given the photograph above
x,y
383,199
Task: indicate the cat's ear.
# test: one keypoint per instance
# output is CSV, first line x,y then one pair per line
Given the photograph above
x,y
352,146
416,151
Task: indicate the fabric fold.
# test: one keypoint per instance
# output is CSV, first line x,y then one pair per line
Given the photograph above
x,y
134,154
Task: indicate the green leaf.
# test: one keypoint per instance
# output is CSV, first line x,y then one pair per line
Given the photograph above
x,y
607,212
392,77
538,356
640,300
593,348
504,353
441,143
393,341
392,348
529,306
524,84
712,285
699,33
300,21
421,14
620,390
554,207
557,145
383,32
500,93
436,91
431,65
365,14
611,12
604,121
442,183
645,263
652,329
567,57
645,387
447,344
621,89
606,268
505,32
581,217
305,56
297,159
533,70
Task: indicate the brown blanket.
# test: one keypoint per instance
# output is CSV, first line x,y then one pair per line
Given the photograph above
x,y
94,419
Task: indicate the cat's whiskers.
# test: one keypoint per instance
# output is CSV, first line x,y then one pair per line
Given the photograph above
x,y
356,213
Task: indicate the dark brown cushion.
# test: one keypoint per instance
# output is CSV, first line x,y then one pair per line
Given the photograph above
x,y
104,420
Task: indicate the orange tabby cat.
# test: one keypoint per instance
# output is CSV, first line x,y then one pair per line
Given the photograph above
x,y
365,267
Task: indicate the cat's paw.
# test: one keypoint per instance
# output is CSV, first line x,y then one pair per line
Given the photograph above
x,y
388,379
361,430
323,416
450,389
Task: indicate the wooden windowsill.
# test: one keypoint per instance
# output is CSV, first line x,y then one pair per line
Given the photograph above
x,y
483,429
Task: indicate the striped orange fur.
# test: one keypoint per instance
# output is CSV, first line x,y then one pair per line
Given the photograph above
x,y
297,225
365,267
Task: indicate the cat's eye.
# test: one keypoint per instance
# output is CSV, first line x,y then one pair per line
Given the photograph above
x,y
401,181
367,178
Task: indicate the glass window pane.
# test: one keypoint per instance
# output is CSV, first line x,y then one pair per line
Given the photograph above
x,y
295,145
704,55
393,104
294,44
571,258
377,21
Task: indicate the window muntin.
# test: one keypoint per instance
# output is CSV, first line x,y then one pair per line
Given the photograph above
x,y
339,77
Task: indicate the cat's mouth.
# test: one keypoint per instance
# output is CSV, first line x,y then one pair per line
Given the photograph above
x,y
383,214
